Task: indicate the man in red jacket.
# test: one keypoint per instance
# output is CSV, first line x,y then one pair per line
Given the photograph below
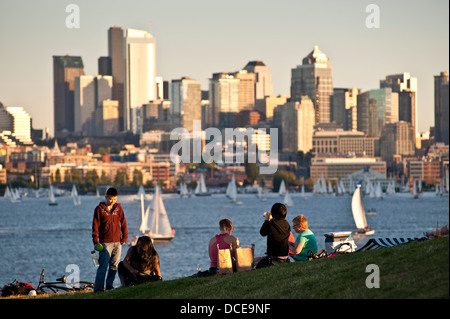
x,y
109,233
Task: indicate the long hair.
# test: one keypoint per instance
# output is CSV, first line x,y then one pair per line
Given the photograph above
x,y
149,258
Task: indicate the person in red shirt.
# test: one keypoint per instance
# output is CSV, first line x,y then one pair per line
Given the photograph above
x,y
109,233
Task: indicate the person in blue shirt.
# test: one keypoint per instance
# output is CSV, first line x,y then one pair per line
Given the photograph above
x,y
305,241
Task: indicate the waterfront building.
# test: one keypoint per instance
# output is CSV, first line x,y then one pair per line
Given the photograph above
x,y
342,143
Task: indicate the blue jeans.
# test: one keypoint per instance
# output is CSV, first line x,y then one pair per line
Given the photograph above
x,y
109,256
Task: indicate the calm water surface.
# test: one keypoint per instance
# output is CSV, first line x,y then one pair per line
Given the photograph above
x,y
34,235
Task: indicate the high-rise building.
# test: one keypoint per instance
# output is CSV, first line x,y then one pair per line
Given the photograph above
x,y
374,109
344,107
65,70
406,87
90,92
263,80
107,118
314,79
186,106
441,107
246,89
397,139
224,99
117,69
297,125
140,75
266,106
18,121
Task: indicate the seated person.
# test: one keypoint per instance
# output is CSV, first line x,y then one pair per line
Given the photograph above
x,y
141,263
278,231
438,232
305,242
224,240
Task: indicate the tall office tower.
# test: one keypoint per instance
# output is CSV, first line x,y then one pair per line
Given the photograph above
x,y
140,75
406,87
104,65
267,106
397,139
263,84
107,118
344,107
65,70
297,125
247,82
441,107
186,103
90,92
224,99
21,124
117,69
314,79
372,109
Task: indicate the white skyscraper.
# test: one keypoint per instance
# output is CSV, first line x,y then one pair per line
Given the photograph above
x,y
21,124
140,75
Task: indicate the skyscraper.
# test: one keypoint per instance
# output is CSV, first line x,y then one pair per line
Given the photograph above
x,y
344,107
406,87
314,79
297,125
117,68
65,69
140,75
441,107
263,81
90,92
373,107
224,99
186,103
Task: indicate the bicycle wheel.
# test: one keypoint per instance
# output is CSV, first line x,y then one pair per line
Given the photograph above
x,y
82,285
53,289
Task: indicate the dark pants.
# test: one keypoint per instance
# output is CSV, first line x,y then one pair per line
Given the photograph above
x,y
270,261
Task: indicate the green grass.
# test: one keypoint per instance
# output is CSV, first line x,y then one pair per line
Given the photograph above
x,y
413,270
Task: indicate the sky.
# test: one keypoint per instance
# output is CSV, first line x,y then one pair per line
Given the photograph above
x,y
197,38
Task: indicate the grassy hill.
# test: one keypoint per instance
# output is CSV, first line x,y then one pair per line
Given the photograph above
x,y
413,270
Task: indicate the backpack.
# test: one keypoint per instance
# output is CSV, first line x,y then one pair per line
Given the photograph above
x,y
16,289
321,254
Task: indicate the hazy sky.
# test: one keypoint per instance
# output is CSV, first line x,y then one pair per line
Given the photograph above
x,y
200,37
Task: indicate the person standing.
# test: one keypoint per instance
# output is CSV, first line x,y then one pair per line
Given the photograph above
x,y
109,233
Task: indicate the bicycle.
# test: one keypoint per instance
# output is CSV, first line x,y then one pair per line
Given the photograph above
x,y
60,285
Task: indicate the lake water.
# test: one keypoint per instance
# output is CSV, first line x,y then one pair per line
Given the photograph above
x,y
34,235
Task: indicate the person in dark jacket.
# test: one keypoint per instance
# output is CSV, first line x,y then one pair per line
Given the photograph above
x,y
278,231
109,233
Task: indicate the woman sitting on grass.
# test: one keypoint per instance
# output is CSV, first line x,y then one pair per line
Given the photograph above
x,y
305,242
141,264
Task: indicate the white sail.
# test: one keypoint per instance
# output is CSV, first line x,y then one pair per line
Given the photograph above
x,y
184,193
288,200
359,215
282,189
76,198
158,221
378,191
140,192
7,194
203,188
51,196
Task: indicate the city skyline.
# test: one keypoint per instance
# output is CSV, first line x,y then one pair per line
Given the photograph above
x,y
199,38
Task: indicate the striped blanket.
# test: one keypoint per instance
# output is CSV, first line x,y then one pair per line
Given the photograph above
x,y
376,243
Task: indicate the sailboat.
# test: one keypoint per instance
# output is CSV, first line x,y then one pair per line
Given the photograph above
x,y
288,200
261,194
233,194
76,198
154,221
201,189
413,190
359,215
51,197
282,189
184,193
